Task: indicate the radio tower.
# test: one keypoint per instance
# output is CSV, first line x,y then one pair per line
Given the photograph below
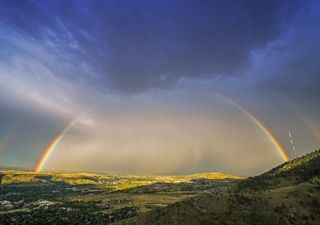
x,y
293,146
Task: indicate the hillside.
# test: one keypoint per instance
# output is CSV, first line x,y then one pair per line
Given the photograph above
x,y
287,194
292,172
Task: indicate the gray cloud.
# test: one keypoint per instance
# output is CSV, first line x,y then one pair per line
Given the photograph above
x,y
134,46
289,66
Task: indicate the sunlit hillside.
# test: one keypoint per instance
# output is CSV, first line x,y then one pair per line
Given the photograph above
x,y
110,181
292,172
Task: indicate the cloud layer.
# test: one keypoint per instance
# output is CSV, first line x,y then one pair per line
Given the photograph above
x,y
141,73
134,46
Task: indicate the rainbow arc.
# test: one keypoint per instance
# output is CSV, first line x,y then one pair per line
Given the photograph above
x,y
52,146
7,140
271,136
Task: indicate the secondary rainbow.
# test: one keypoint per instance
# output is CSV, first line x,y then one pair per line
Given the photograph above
x,y
280,149
311,128
7,140
51,147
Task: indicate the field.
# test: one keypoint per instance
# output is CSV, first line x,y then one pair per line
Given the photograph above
x,y
88,198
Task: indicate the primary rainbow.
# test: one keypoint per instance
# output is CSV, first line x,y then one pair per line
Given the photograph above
x,y
50,148
262,126
48,151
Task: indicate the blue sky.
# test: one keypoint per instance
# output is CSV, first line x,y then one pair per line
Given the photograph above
x,y
139,75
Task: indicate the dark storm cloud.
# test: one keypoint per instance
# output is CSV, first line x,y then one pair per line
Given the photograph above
x,y
132,46
290,66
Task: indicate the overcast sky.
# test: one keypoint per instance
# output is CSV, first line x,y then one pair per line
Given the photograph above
x,y
141,78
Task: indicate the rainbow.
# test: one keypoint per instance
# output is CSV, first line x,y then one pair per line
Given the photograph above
x,y
315,133
7,140
262,126
55,142
50,148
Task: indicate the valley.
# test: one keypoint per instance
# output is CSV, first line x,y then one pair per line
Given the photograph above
x,y
87,198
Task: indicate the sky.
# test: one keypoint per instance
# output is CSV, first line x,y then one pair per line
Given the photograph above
x,y
158,87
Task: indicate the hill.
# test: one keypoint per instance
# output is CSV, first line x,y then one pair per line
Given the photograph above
x,y
292,172
213,176
287,194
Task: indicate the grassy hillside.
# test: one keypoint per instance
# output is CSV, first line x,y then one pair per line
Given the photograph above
x,y
292,172
287,194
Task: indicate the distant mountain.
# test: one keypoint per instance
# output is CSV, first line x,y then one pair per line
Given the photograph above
x,y
213,176
287,194
14,177
16,168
